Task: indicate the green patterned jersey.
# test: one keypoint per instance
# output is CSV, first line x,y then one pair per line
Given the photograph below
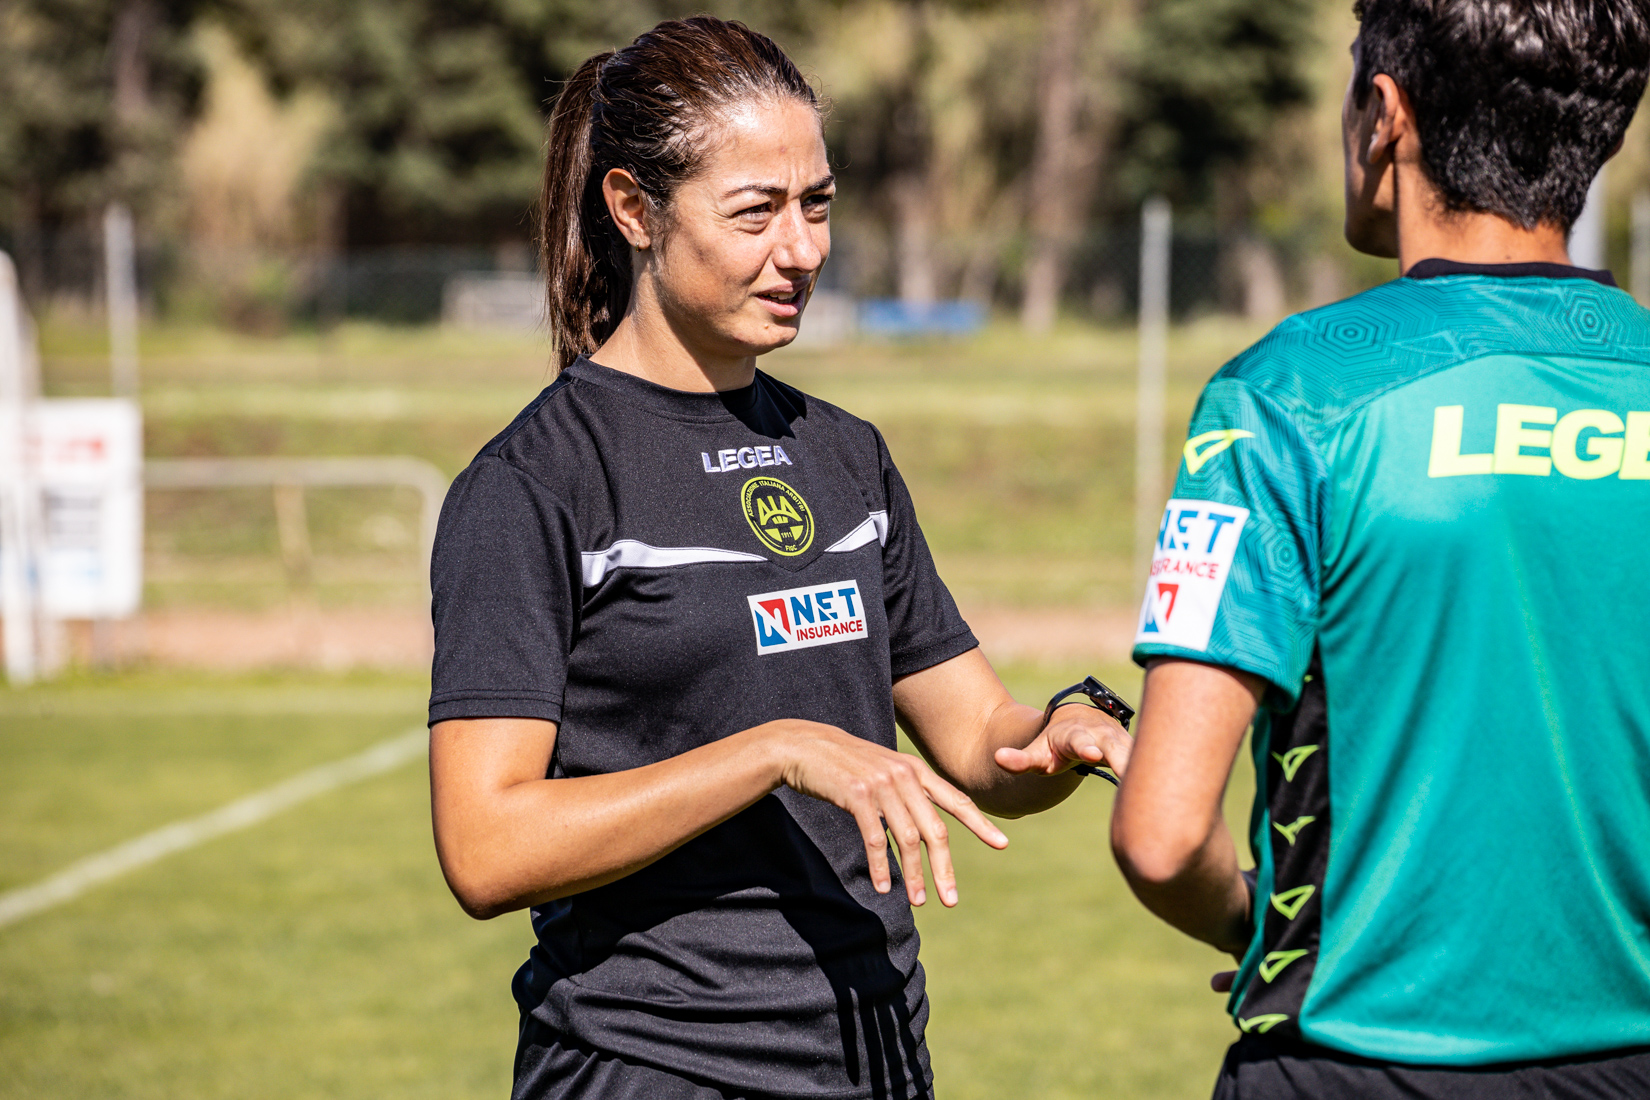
x,y
1422,515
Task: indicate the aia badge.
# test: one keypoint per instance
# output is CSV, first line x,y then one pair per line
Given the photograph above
x,y
801,618
1195,548
778,515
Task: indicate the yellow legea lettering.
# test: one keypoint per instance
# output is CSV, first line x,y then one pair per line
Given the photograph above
x,y
1511,436
1620,447
1635,459
1447,459
1606,452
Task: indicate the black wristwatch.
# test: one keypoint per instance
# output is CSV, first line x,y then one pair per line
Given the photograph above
x,y
1103,698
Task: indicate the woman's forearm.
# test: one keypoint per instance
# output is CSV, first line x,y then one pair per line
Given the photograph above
x,y
509,838
507,841
1014,726
959,714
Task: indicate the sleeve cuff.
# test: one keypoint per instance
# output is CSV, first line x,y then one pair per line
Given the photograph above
x,y
915,660
493,704
1283,691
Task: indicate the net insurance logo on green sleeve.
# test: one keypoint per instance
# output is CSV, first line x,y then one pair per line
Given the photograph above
x,y
1195,546
1585,444
1196,543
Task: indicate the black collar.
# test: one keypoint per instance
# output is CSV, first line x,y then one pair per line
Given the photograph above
x,y
1437,269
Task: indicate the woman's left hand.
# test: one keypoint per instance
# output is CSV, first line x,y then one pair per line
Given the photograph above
x,y
1075,734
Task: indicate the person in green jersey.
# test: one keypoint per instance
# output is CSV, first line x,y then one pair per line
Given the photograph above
x,y
1408,543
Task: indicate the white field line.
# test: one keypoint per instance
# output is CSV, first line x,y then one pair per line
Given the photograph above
x,y
77,878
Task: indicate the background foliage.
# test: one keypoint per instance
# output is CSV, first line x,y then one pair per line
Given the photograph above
x,y
990,150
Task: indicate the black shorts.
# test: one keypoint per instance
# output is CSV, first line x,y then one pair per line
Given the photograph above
x,y
548,1068
1259,1070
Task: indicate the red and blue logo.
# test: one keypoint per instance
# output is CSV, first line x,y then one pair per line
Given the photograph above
x,y
800,618
1160,609
1196,546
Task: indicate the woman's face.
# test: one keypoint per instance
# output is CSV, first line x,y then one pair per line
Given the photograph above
x,y
746,237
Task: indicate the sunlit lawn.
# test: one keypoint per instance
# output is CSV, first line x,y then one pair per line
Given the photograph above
x,y
319,954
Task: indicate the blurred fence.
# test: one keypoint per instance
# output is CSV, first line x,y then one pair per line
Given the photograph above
x,y
1104,277
264,542
256,288
414,285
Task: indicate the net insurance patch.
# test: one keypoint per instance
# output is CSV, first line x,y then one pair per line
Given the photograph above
x,y
1195,547
800,618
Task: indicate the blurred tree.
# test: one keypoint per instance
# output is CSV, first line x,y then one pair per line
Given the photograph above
x,y
438,120
931,106
440,105
1210,82
244,162
93,95
1075,116
1209,79
970,135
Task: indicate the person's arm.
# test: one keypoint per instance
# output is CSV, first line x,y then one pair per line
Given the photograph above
x,y
950,701
509,838
963,720
1167,830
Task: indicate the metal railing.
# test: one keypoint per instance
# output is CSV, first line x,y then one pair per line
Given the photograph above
x,y
290,476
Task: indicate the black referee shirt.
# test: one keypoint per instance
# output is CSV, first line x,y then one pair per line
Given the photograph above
x,y
654,570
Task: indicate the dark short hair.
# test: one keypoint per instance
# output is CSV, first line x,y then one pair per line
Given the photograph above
x,y
1518,102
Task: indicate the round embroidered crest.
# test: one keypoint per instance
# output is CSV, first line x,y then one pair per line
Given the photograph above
x,y
778,515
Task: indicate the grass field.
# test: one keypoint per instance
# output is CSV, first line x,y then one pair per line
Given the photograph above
x,y
319,955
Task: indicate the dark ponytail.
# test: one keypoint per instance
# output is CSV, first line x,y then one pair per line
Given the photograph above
x,y
587,272
650,109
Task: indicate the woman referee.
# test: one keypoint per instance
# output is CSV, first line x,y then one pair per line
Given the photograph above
x,y
678,608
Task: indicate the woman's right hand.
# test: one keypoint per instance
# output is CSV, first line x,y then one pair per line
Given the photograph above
x,y
887,792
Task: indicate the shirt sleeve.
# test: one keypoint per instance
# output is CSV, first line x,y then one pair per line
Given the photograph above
x,y
924,625
506,589
1234,578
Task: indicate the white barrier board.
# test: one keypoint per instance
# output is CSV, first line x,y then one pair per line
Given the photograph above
x,y
88,461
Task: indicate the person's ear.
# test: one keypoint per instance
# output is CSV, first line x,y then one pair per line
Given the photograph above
x,y
1394,118
627,206
1389,114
